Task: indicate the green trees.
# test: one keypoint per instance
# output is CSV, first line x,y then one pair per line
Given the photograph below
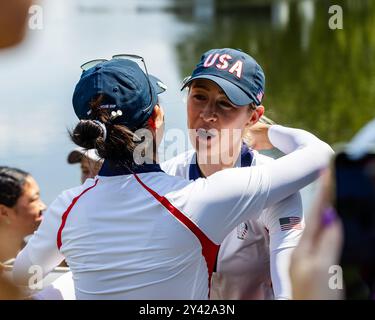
x,y
319,79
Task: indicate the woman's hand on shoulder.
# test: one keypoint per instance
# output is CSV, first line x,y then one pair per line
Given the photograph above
x,y
257,137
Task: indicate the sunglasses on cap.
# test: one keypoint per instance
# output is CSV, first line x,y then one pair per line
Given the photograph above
x,y
138,59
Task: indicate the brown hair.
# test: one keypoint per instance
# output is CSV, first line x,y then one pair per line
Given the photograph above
x,y
252,106
120,142
247,137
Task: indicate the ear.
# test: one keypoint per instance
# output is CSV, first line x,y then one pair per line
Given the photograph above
x,y
158,116
4,213
3,210
256,115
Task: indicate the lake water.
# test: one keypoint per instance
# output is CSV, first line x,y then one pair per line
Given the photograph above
x,y
319,79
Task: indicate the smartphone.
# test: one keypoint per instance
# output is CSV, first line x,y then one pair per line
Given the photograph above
x,y
355,204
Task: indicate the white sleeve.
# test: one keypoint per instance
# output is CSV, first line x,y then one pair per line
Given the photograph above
x,y
217,204
305,156
285,222
41,250
280,261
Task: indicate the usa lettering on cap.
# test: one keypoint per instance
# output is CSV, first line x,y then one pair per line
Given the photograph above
x,y
224,63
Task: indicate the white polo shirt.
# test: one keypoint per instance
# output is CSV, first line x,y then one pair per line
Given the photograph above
x,y
148,235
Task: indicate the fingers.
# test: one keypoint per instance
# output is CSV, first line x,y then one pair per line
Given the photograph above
x,y
330,243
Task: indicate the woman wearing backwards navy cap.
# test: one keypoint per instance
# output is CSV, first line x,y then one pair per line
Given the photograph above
x,y
135,232
225,94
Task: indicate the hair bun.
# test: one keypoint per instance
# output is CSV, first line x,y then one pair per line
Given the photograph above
x,y
86,134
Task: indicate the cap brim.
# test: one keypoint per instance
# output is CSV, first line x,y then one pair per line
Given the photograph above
x,y
236,95
77,154
158,85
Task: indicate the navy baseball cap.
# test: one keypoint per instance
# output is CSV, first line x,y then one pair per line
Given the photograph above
x,y
125,87
235,72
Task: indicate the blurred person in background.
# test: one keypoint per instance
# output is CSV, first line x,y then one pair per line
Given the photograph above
x,y
13,18
89,161
21,210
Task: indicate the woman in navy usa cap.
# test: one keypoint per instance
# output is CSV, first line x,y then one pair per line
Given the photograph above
x,y
135,232
224,95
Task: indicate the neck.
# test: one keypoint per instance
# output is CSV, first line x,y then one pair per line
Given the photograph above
x,y
10,243
223,161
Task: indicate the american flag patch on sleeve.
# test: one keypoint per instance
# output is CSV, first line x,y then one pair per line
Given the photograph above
x,y
289,223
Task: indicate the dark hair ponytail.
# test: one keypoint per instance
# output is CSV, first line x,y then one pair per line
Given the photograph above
x,y
12,181
119,143
87,134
